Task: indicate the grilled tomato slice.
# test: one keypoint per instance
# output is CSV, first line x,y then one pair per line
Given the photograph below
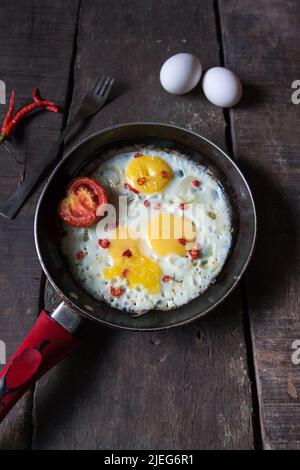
x,y
84,196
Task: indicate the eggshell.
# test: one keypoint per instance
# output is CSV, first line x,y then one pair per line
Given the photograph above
x,y
180,73
222,87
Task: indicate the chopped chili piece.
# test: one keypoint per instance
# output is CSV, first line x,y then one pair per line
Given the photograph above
x,y
125,272
141,181
182,241
167,278
138,155
165,174
157,205
116,291
182,206
194,254
104,243
130,188
196,183
146,203
127,253
80,255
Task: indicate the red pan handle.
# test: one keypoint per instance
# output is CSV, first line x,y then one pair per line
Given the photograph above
x,y
47,344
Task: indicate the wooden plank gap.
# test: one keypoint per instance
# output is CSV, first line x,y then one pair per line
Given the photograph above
x,y
256,422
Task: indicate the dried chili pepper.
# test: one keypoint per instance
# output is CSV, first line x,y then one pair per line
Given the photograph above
x,y
10,122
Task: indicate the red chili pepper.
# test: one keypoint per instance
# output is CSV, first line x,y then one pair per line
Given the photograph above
x,y
166,278
10,109
125,272
116,291
127,253
10,122
165,174
194,254
104,243
182,241
141,181
80,255
157,205
182,206
133,190
146,203
196,183
138,155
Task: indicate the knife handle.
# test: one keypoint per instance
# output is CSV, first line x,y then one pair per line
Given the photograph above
x,y
17,199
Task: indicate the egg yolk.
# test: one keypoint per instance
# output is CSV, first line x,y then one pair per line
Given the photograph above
x,y
148,174
130,262
169,233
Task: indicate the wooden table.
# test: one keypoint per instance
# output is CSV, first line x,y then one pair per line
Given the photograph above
x,y
231,381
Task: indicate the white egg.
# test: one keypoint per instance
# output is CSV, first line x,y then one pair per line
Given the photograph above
x,y
222,87
180,73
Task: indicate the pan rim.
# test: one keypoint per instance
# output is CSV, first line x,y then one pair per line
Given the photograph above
x,y
90,316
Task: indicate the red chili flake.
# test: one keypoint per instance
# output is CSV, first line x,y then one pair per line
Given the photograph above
x,y
125,272
182,241
165,174
141,181
133,190
146,203
138,155
196,183
80,255
157,205
166,278
104,243
116,291
127,253
182,206
194,254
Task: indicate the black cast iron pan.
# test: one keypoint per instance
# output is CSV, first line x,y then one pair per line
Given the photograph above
x,y
54,336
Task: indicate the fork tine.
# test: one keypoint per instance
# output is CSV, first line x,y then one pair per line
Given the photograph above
x,y
99,84
107,90
103,88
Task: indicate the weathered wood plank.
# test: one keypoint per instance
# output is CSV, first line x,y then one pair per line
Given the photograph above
x,y
36,49
261,41
180,389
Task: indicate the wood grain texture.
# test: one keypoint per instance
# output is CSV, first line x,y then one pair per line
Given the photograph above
x,y
186,388
31,35
261,42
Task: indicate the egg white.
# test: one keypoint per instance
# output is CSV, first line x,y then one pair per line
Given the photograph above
x,y
190,278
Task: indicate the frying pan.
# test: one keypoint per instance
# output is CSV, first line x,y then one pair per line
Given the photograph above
x,y
54,335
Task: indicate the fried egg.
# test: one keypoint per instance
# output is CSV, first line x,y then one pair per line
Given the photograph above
x,y
170,243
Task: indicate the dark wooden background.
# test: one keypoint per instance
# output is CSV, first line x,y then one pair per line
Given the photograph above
x,y
226,382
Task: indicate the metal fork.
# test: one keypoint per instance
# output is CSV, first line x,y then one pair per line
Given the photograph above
x,y
92,103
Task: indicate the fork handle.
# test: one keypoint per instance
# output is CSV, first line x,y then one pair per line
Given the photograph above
x,y
17,199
